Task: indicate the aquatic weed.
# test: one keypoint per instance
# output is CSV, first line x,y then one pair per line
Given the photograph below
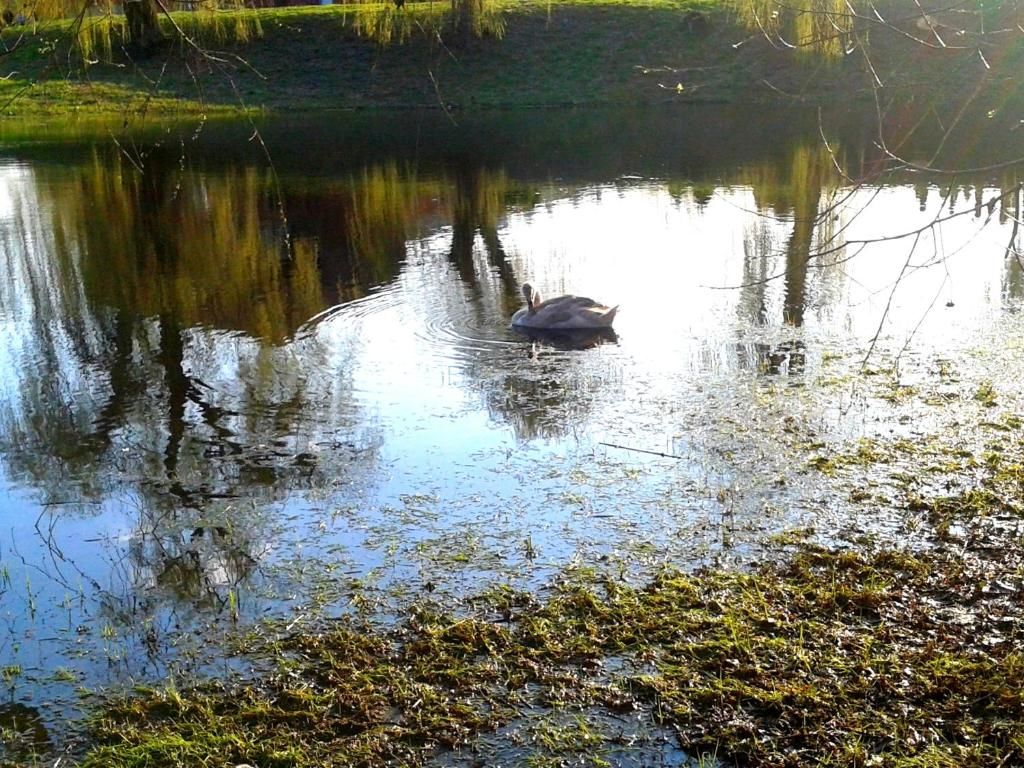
x,y
833,655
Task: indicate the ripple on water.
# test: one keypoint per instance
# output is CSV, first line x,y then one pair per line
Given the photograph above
x,y
383,299
458,339
461,325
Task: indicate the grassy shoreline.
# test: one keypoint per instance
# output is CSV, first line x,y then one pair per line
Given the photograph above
x,y
829,658
561,54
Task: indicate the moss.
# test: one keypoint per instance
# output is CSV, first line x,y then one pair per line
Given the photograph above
x,y
832,655
865,453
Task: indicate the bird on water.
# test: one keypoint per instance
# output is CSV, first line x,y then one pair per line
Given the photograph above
x,y
562,312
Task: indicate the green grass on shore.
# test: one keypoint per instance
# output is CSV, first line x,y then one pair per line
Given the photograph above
x,y
318,57
569,52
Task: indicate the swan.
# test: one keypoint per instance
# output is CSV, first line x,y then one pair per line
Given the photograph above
x,y
562,312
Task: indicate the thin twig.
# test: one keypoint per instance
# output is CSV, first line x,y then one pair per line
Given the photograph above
x,y
642,450
437,90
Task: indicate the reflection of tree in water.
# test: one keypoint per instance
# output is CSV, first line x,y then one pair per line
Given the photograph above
x,y
124,391
204,249
547,397
997,200
479,200
359,227
198,558
790,192
795,192
550,392
1011,208
808,192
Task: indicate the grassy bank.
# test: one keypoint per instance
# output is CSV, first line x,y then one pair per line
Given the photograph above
x,y
551,54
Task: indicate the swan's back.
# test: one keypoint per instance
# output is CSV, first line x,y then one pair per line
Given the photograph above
x,y
566,312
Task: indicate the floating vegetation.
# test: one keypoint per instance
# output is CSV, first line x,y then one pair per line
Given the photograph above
x,y
882,657
986,394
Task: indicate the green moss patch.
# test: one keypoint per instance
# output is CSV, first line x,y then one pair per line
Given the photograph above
x,y
827,658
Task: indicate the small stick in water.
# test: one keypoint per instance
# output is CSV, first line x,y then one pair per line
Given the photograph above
x,y
642,450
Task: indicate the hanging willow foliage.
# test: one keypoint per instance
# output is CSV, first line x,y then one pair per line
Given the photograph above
x,y
821,27
101,29
477,18
395,23
383,24
209,24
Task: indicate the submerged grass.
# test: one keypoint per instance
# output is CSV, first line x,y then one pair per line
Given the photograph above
x,y
830,658
874,656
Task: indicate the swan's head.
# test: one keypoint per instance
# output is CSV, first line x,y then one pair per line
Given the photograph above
x,y
530,295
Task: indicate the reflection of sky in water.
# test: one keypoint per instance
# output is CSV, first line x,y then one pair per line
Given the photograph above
x,y
660,260
678,380
466,440
426,356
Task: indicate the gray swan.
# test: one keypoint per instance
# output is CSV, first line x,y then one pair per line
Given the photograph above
x,y
562,312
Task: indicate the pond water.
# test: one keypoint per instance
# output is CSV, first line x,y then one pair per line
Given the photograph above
x,y
244,378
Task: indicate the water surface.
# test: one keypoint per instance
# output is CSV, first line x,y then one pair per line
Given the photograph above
x,y
231,389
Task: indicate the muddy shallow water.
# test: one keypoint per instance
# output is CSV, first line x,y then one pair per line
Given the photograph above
x,y
229,391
